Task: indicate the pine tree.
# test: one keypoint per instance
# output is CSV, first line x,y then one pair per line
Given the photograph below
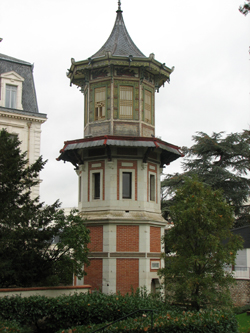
x,y
199,246
29,255
245,9
223,162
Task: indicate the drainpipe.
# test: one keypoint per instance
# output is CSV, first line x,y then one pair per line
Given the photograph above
x,y
28,144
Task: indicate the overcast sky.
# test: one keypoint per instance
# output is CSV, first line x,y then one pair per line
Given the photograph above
x,y
207,42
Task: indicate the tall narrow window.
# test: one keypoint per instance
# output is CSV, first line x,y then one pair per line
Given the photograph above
x,y
96,185
11,96
148,106
80,189
152,187
85,109
100,96
127,185
126,102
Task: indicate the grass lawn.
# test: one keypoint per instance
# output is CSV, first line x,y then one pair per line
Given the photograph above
x,y
244,323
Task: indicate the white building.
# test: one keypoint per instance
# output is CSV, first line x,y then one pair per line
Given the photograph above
x,y
18,106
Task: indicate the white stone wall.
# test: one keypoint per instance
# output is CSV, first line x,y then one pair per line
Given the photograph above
x,y
110,172
28,130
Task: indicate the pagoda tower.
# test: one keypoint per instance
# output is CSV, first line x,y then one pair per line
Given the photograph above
x,y
119,162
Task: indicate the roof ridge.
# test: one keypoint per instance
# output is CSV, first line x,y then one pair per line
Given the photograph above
x,y
19,61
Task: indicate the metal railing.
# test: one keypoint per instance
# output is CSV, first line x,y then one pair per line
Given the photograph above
x,y
239,272
129,315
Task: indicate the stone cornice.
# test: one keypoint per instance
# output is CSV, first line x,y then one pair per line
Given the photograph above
x,y
22,115
155,255
78,70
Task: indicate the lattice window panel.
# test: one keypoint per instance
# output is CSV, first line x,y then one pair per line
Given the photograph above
x,y
126,102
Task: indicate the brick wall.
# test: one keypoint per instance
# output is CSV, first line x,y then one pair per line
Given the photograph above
x,y
127,238
96,238
94,274
127,275
155,239
240,292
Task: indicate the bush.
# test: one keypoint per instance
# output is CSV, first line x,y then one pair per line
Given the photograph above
x,y
12,326
94,310
241,309
171,321
52,314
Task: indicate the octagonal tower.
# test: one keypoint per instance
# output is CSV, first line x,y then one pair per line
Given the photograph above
x,y
119,162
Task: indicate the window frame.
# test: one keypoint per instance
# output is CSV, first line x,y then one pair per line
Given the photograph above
x,y
100,109
127,170
124,117
146,110
96,185
124,191
10,92
11,79
152,187
80,189
92,185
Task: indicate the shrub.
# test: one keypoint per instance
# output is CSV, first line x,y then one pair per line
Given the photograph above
x,y
241,309
171,321
96,309
12,326
78,309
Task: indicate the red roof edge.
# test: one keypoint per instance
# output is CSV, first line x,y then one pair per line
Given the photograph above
x,y
117,137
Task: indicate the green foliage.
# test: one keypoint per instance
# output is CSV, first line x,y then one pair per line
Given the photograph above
x,y
68,311
241,309
171,321
28,255
221,162
12,326
245,9
94,310
199,245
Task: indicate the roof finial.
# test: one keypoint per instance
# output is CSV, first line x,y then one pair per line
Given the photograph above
x,y
119,5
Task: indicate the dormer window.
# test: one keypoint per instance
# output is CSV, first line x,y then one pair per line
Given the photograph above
x,y
100,101
11,96
11,90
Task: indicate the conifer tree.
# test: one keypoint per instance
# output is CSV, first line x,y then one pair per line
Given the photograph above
x,y
199,247
245,9
223,162
29,255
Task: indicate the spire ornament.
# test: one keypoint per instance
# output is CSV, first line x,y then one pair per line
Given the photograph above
x,y
119,6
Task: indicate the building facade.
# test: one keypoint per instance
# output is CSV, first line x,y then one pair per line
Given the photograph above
x,y
119,162
18,106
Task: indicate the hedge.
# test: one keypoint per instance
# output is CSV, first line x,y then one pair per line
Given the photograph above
x,y
78,309
12,326
82,312
187,322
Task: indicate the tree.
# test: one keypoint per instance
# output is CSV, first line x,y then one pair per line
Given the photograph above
x,y
245,9
199,246
29,255
223,162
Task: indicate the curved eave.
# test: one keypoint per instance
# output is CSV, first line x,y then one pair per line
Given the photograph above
x,y
74,150
78,70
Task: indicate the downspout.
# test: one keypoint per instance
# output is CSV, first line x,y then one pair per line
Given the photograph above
x,y
28,143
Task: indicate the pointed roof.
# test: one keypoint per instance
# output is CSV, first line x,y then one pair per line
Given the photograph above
x,y
119,42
